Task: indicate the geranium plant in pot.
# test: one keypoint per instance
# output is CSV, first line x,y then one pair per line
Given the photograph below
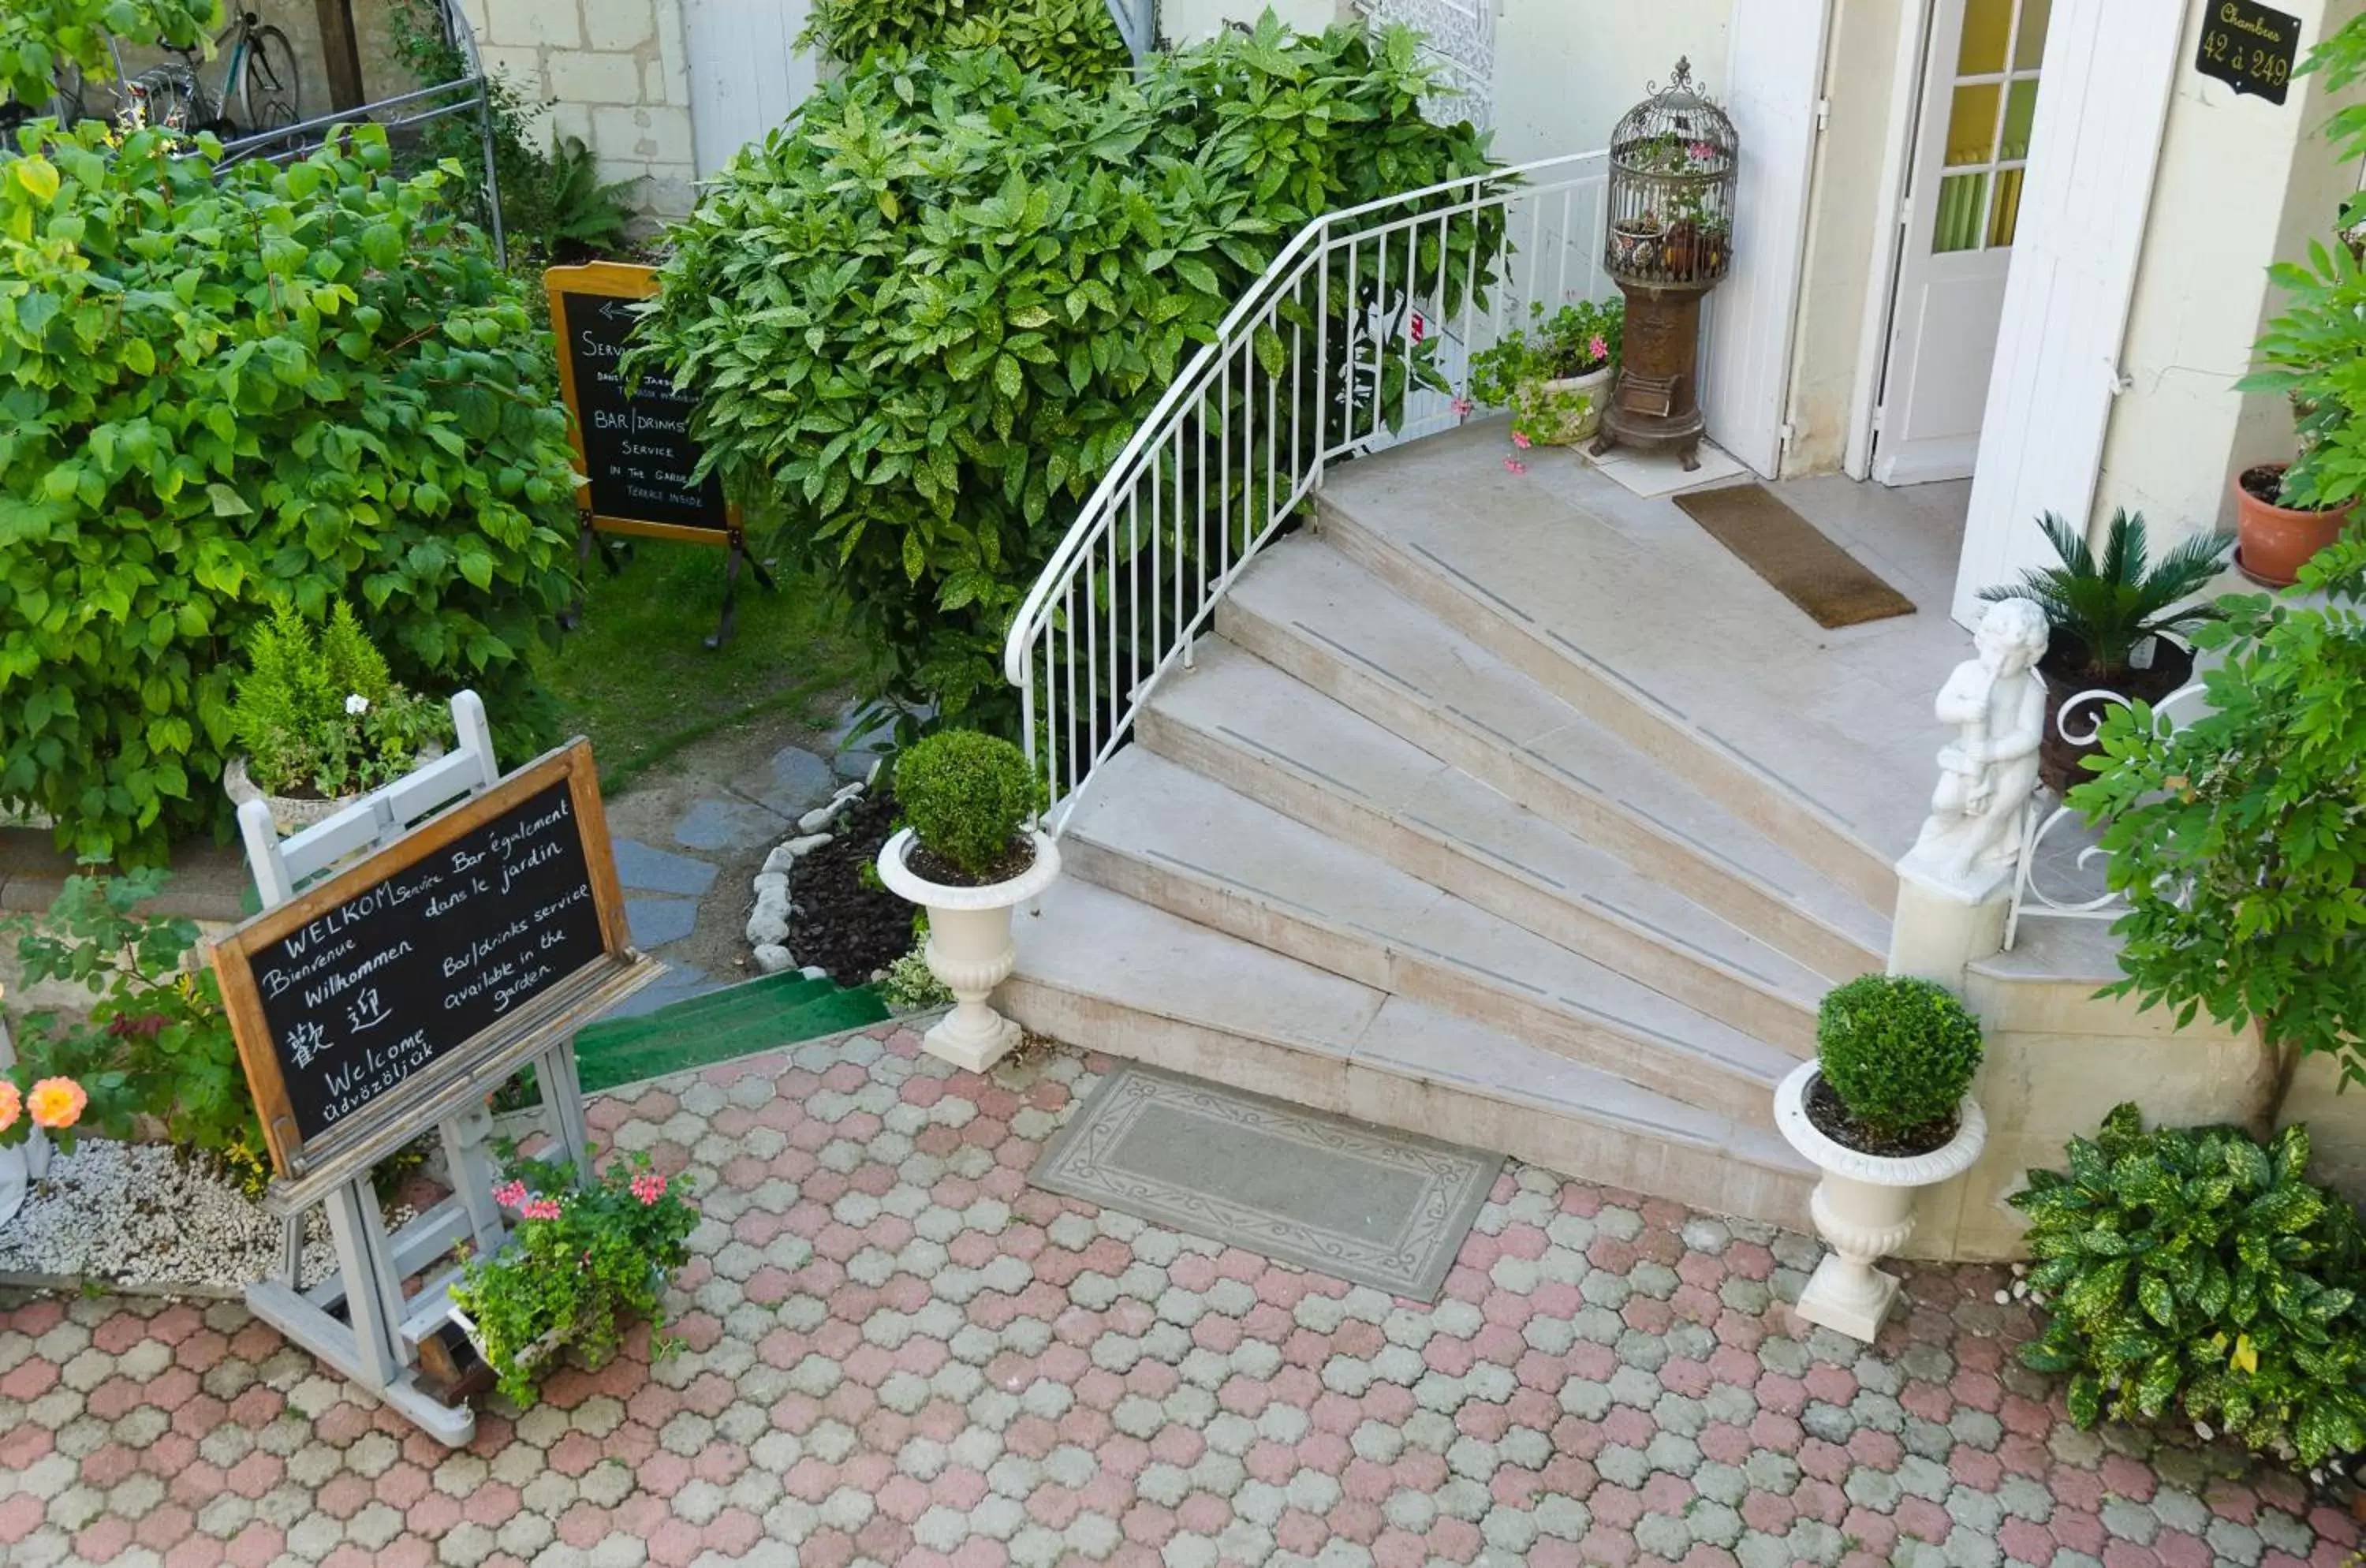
x,y
2238,836
2116,624
967,855
1884,1110
585,1261
321,721
1555,374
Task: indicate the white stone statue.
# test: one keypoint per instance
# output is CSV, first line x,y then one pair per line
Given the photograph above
x,y
1989,773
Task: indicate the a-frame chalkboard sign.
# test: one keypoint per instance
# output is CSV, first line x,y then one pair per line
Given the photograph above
x,y
414,951
633,444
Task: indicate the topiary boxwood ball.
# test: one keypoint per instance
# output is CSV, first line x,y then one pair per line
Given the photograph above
x,y
1899,1052
965,797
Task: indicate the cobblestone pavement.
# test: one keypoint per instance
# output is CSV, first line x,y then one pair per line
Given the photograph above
x,y
899,1354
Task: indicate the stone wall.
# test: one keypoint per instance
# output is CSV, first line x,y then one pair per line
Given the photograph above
x,y
617,73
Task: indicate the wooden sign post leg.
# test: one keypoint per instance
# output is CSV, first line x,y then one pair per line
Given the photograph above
x,y
562,1100
738,548
471,1162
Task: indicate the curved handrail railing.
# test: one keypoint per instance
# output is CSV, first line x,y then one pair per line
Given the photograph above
x,y
1358,335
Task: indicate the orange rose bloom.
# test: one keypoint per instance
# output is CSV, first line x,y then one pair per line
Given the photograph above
x,y
11,1101
56,1103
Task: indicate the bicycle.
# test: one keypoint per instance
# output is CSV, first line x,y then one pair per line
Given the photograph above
x,y
261,74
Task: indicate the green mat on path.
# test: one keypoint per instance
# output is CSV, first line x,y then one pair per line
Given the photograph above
x,y
739,1021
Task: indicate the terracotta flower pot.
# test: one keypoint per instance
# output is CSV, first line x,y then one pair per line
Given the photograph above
x,y
2277,540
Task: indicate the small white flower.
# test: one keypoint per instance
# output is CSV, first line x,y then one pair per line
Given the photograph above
x,y
357,704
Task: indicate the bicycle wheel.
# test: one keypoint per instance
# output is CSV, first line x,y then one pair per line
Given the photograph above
x,y
166,97
266,83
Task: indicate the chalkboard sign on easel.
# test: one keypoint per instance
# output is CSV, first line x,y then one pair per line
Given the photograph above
x,y
633,443
383,982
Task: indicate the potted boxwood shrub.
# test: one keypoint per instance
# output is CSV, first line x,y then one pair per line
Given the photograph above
x,y
968,855
2114,624
1553,375
1884,1110
319,721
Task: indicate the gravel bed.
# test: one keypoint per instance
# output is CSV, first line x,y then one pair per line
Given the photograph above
x,y
141,1215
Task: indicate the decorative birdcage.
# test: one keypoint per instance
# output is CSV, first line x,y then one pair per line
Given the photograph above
x,y
1669,239
1671,189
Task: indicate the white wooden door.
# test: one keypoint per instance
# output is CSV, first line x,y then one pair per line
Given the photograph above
x,y
2096,142
745,72
1961,216
1774,70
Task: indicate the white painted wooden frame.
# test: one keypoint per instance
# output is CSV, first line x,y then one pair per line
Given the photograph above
x,y
376,1341
1773,90
1888,236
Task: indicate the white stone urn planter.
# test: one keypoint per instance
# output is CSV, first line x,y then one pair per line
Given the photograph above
x,y
1594,386
969,949
1864,1208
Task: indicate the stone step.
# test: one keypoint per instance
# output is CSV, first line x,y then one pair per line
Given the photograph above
x,y
1114,975
1309,611
1276,739
1169,837
1490,592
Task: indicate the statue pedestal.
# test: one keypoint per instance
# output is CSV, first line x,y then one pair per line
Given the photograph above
x,y
1941,928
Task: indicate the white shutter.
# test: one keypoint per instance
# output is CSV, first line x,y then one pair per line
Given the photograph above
x,y
745,77
2106,78
1774,71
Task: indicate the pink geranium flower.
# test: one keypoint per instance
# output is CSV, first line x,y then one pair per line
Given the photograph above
x,y
541,1209
1520,441
649,1187
1514,466
1597,348
509,1194
1462,407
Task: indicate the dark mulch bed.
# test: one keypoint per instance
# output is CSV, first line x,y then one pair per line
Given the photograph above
x,y
1832,1120
845,921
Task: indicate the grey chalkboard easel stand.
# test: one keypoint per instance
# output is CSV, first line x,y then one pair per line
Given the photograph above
x,y
357,1320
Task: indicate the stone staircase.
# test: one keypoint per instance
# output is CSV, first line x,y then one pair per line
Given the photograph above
x,y
1397,849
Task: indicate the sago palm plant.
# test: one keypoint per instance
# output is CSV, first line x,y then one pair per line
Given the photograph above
x,y
2111,605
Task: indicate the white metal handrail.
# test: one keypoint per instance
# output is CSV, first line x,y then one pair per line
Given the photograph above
x,y
2030,900
1246,433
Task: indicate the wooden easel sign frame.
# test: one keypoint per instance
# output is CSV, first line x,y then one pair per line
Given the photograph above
x,y
635,452
345,1070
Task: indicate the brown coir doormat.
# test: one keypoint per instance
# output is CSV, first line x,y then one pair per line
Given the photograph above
x,y
1785,548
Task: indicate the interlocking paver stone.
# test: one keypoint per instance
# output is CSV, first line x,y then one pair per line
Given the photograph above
x,y
901,1354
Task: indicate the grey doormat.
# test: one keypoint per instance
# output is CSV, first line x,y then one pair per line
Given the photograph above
x,y
1362,1203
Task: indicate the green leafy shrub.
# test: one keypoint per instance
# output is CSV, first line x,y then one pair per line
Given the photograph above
x,y
1073,42
2239,838
2192,1269
911,986
586,1261
1898,1052
318,713
155,1053
965,797
223,388
925,317
41,37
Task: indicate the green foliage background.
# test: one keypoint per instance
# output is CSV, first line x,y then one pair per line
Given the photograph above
x,y
927,315
2192,1271
1073,42
224,388
41,37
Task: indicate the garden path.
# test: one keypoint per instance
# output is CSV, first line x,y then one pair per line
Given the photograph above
x,y
898,1353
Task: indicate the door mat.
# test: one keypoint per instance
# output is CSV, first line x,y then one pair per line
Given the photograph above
x,y
739,1021
1362,1203
1785,549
